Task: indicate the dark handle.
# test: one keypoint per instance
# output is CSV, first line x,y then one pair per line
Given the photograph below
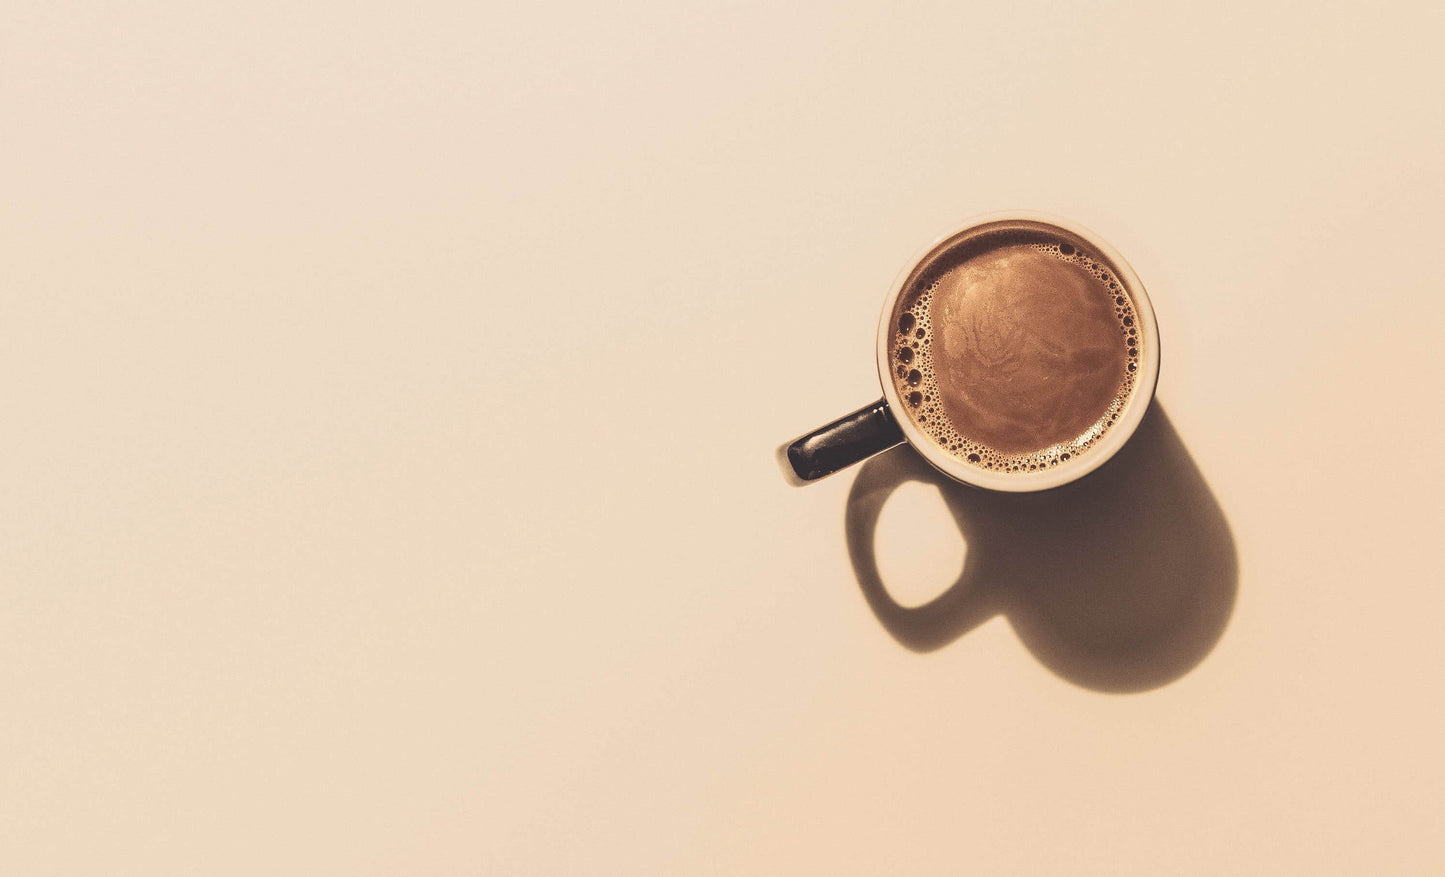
x,y
847,440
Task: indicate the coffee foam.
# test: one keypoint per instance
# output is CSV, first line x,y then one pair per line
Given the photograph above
x,y
914,369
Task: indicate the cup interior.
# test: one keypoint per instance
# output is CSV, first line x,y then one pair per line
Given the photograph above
x,y
1104,447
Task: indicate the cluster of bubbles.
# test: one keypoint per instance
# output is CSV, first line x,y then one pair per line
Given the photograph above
x,y
913,374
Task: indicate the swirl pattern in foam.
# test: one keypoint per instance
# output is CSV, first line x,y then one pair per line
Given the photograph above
x,y
1015,349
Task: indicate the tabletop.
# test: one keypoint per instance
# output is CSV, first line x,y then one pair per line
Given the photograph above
x,y
391,394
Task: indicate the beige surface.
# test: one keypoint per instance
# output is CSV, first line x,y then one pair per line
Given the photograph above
x,y
390,391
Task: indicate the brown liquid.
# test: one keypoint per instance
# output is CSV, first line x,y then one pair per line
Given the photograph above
x,y
1015,346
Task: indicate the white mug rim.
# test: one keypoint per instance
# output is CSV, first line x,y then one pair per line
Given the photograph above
x,y
1107,445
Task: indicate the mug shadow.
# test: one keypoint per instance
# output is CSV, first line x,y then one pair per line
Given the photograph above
x,y
1122,581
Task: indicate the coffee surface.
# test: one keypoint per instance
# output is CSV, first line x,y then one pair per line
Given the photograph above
x,y
1015,350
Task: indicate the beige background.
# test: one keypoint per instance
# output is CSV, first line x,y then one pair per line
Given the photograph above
x,y
389,394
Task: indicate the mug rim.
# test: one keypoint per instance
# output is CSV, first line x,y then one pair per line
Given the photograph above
x,y
1109,443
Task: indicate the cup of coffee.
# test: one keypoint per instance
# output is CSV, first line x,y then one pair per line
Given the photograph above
x,y
1016,354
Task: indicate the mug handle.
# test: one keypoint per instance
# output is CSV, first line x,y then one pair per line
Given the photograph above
x,y
850,439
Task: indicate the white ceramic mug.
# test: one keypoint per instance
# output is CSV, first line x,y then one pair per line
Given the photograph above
x,y
875,428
